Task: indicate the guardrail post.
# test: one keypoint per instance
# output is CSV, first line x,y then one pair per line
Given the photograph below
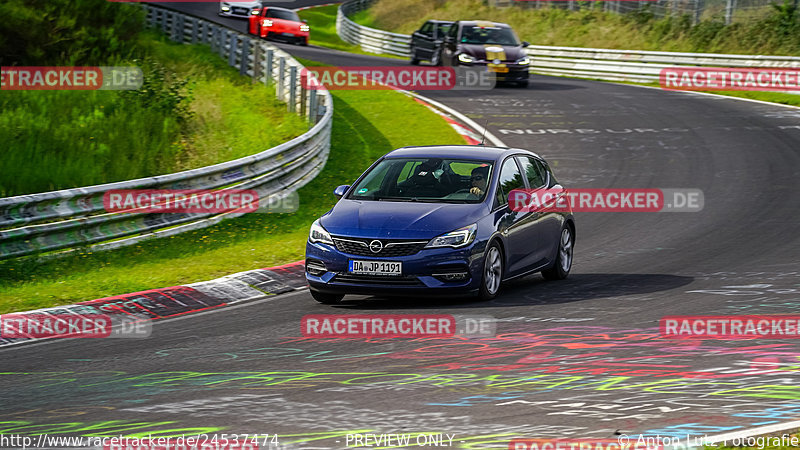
x,y
303,92
281,76
234,43
257,65
292,103
164,16
174,23
195,31
221,48
245,57
269,65
312,106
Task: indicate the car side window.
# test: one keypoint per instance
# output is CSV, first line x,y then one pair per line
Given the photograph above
x,y
427,29
534,171
441,30
510,179
453,33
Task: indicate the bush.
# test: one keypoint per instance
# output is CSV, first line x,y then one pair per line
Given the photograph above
x,y
67,32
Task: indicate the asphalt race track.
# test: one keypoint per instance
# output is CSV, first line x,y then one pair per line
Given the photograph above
x,y
581,358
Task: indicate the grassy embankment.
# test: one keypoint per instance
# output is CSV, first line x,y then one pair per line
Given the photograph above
x,y
193,110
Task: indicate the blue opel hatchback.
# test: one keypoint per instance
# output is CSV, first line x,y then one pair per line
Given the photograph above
x,y
436,220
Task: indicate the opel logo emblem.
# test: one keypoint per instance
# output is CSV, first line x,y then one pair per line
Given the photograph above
x,y
497,61
375,246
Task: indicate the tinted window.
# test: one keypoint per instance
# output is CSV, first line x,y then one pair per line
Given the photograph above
x,y
488,35
283,14
510,179
533,171
453,32
427,29
425,179
442,29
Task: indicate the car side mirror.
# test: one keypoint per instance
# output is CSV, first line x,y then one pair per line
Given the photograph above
x,y
448,40
305,21
341,190
525,43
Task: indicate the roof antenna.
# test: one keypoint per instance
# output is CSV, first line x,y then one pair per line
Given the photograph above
x,y
483,138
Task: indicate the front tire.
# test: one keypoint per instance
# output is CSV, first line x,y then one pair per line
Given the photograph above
x,y
327,299
561,268
492,272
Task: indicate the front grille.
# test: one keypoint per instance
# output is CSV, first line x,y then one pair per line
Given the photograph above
x,y
241,11
377,279
390,248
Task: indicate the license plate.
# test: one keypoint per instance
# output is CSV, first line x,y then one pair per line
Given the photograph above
x,y
499,68
240,11
288,34
375,267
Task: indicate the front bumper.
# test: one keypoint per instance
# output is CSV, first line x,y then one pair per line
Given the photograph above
x,y
287,35
417,273
516,72
234,12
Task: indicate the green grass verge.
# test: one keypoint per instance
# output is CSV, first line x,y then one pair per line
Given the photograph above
x,y
63,139
322,21
367,124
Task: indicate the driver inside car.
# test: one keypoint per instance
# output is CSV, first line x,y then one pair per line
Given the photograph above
x,y
478,179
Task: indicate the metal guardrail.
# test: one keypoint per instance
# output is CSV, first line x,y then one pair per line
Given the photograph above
x,y
603,64
76,218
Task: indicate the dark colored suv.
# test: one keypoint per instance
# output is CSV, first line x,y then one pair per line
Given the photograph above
x,y
493,45
426,41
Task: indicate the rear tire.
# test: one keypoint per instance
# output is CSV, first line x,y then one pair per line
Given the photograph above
x,y
436,59
414,60
492,273
563,264
327,299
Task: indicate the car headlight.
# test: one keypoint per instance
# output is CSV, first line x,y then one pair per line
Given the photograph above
x,y
266,23
457,238
524,61
465,58
255,11
226,8
305,28
318,234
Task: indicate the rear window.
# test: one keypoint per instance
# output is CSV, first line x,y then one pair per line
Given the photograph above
x,y
283,14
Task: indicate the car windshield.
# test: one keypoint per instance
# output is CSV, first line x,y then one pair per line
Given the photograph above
x,y
488,35
425,180
283,14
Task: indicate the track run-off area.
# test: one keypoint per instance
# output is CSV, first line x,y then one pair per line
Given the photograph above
x,y
580,358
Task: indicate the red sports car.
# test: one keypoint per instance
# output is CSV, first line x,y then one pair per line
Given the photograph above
x,y
279,23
